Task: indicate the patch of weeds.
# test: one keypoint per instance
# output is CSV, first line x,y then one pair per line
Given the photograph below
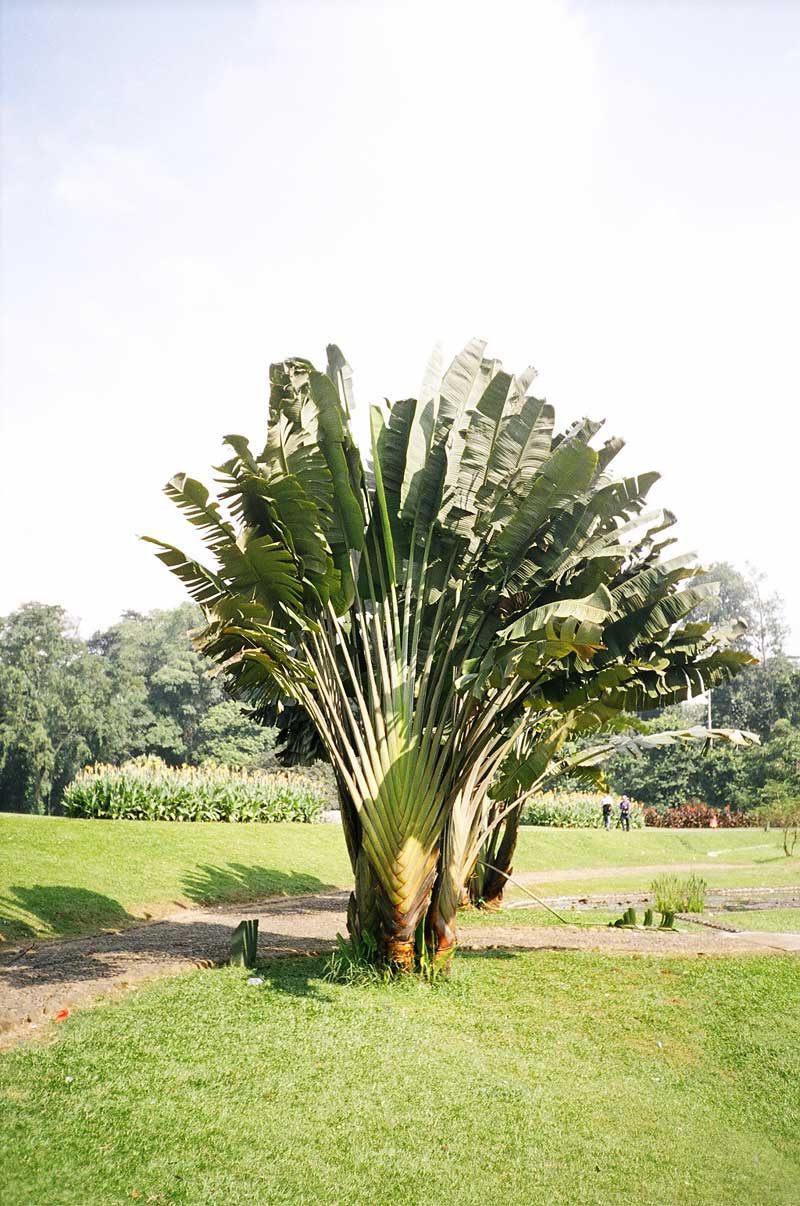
x,y
679,893
353,963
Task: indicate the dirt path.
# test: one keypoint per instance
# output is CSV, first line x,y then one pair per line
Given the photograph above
x,y
39,980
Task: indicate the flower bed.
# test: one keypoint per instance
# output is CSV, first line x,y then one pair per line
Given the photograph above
x,y
146,789
697,816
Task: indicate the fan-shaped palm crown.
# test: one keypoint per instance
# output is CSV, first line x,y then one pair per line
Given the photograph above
x,y
478,581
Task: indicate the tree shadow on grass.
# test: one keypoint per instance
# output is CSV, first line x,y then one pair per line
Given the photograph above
x,y
237,882
62,910
291,925
494,952
303,976
295,976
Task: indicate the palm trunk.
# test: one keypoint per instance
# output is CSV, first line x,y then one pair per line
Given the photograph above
x,y
495,863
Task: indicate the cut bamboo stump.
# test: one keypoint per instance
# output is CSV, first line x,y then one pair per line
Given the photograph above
x,y
244,944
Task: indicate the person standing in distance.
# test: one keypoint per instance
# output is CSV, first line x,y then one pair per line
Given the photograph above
x,y
625,814
607,804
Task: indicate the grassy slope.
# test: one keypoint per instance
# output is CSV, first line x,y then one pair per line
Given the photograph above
x,y
554,849
541,1079
61,876
551,849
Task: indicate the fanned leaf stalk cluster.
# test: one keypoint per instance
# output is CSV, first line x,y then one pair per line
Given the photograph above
x,y
501,818
447,611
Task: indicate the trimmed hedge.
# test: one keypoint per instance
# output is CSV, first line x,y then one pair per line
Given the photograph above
x,y
146,789
574,810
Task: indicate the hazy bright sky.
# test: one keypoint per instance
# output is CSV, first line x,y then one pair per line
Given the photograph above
x,y
191,190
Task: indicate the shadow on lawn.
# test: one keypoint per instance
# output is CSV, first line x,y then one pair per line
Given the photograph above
x,y
237,882
61,909
304,976
297,976
293,924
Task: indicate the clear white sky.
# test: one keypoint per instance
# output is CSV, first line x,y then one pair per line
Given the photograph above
x,y
193,189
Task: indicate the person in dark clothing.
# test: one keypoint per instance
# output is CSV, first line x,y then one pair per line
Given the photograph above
x,y
625,813
607,804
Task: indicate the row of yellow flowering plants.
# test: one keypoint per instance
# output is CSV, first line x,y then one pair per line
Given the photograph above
x,y
146,789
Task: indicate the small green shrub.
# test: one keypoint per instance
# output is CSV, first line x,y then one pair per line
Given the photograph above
x,y
679,893
783,814
574,810
146,789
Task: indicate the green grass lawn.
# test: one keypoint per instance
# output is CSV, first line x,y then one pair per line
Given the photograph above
x,y
782,873
64,876
775,920
542,849
60,876
550,1078
523,917
556,849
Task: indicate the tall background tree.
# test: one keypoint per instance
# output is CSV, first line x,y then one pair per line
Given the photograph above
x,y
764,698
55,707
138,688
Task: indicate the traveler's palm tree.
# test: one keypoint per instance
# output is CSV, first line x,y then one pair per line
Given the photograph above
x,y
447,613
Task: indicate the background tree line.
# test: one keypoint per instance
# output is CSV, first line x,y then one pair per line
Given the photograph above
x,y
764,699
140,688
137,688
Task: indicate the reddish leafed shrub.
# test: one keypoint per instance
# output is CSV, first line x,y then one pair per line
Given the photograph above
x,y
697,816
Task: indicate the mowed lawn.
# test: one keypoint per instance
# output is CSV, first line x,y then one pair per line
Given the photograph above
x,y
64,876
766,920
538,1078
758,855
60,876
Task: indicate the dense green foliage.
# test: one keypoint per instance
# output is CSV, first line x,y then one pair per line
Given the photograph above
x,y
146,789
764,699
632,1082
574,810
138,688
56,707
720,776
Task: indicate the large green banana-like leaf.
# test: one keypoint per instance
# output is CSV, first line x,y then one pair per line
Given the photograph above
x,y
588,762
